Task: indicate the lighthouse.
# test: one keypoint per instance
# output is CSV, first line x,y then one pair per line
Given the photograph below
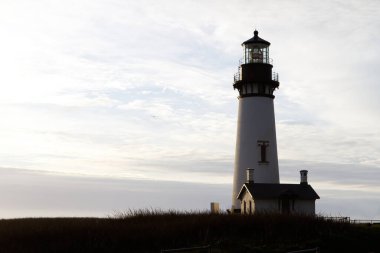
x,y
256,147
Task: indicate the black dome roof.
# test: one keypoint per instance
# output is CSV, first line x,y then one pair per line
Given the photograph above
x,y
256,39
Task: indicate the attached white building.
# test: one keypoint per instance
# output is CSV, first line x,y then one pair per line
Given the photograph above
x,y
277,198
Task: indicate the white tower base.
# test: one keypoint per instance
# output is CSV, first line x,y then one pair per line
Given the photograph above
x,y
256,127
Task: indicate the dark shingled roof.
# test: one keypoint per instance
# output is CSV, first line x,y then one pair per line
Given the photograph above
x,y
256,39
270,191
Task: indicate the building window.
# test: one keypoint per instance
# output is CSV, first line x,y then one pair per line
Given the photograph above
x,y
250,207
263,151
245,207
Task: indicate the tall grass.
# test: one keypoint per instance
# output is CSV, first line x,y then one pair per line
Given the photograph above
x,y
152,230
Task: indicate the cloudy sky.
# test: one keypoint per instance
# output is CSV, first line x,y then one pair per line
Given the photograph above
x,y
107,105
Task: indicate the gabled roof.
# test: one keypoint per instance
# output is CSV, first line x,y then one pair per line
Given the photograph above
x,y
275,191
256,39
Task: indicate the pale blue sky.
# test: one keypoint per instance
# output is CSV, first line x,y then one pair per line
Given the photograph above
x,y
120,91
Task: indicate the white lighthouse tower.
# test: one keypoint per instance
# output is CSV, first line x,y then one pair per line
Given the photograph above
x,y
256,146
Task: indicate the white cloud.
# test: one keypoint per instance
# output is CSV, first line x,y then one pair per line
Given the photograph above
x,y
37,193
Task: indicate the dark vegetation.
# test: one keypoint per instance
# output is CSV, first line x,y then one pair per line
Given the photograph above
x,y
151,231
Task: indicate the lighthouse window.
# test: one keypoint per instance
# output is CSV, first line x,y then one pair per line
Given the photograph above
x,y
263,153
261,89
255,88
250,90
257,55
263,150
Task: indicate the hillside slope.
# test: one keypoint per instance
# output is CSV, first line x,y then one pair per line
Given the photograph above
x,y
151,232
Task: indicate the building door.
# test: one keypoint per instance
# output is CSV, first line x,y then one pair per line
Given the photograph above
x,y
285,206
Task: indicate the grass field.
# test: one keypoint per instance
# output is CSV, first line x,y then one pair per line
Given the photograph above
x,y
151,231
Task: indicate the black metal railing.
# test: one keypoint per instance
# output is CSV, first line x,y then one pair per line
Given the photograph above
x,y
313,250
369,222
201,249
275,76
339,219
255,60
238,77
352,221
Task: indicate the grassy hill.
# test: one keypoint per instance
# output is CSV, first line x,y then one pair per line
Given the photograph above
x,y
146,231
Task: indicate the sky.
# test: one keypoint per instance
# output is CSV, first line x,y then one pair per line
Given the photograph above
x,y
113,105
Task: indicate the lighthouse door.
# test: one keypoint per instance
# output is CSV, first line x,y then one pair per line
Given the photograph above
x,y
285,206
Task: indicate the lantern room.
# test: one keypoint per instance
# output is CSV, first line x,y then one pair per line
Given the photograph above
x,y
256,50
255,76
